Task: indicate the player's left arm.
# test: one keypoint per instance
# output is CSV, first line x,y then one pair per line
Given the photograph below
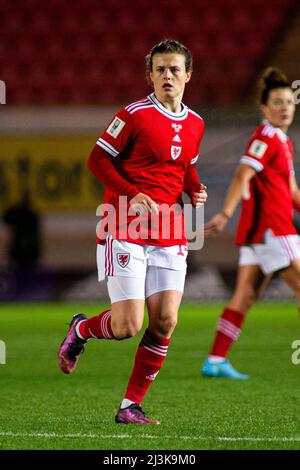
x,y
192,186
295,192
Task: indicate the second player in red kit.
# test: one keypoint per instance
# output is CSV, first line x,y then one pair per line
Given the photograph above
x,y
268,240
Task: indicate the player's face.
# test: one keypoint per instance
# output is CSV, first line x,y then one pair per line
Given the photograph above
x,y
169,76
280,108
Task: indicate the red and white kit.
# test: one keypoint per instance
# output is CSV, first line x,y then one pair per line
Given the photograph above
x,y
155,151
266,228
147,149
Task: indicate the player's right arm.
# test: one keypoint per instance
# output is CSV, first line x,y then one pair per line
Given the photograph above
x,y
109,145
234,195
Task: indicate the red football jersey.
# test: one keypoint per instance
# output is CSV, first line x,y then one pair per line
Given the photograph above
x,y
267,202
153,149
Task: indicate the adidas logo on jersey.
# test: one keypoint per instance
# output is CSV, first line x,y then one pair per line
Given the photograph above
x,y
177,138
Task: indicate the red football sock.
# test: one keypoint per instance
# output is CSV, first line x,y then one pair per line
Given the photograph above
x,y
228,329
98,326
149,359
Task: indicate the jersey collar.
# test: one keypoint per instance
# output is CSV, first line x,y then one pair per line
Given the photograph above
x,y
174,116
282,136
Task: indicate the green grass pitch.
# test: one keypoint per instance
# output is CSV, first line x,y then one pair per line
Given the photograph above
x,y
41,408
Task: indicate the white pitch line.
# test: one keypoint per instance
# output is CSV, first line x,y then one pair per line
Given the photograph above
x,y
149,436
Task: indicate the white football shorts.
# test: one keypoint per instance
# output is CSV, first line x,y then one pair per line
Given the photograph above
x,y
137,271
274,254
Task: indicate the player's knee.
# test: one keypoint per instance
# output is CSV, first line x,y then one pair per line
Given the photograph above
x,y
250,297
243,299
296,288
166,324
126,330
132,329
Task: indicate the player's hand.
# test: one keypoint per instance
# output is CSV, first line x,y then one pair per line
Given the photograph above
x,y
215,225
199,198
142,203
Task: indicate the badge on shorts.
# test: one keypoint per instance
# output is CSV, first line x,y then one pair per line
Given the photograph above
x,y
175,151
123,259
115,127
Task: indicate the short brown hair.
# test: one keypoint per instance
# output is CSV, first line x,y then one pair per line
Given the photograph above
x,y
170,46
271,78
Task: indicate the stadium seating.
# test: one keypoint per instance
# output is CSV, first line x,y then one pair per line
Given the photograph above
x,y
58,52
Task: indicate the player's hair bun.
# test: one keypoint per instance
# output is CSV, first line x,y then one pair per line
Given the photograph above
x,y
272,75
271,78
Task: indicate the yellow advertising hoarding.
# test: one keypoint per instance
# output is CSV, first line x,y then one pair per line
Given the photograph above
x,y
52,168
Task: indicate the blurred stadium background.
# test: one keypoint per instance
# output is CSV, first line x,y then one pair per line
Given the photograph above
x,y
68,66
